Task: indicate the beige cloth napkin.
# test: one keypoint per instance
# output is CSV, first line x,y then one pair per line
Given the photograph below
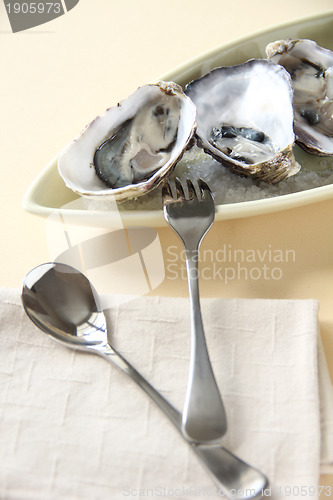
x,y
74,427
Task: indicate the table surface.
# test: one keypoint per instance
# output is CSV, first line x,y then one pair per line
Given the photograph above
x,y
58,76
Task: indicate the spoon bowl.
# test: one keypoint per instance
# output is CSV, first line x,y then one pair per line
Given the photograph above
x,y
62,302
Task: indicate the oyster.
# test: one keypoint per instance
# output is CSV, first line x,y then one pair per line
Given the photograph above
x,y
311,70
245,119
132,147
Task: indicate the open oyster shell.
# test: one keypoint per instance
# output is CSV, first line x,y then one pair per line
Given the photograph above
x,y
311,70
132,147
245,119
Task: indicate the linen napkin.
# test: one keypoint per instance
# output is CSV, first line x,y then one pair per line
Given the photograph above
x,y
74,427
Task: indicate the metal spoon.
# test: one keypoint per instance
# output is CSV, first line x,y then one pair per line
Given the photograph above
x,y
62,302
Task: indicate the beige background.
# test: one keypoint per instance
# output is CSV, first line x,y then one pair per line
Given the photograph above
x,y
56,77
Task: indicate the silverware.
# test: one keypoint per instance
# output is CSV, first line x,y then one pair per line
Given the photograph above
x,y
62,302
191,216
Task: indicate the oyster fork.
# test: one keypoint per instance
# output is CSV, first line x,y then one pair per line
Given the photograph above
x,y
191,216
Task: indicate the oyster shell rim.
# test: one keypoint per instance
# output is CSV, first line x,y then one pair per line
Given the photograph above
x,y
302,129
184,137
268,170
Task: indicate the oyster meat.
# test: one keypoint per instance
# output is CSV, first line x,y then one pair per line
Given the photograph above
x,y
132,147
311,70
245,119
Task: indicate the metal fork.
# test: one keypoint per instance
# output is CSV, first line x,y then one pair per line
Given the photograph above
x,y
191,216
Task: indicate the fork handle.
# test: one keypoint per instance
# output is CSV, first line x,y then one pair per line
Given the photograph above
x,y
204,419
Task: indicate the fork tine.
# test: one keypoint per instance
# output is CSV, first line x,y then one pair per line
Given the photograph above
x,y
203,186
166,191
179,188
191,189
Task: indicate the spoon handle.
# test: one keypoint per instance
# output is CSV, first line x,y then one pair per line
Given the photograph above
x,y
110,354
229,472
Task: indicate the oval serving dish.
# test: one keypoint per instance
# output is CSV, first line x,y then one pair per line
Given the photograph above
x,y
48,194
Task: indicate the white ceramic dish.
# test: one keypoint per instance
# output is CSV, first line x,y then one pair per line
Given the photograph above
x,y
48,194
